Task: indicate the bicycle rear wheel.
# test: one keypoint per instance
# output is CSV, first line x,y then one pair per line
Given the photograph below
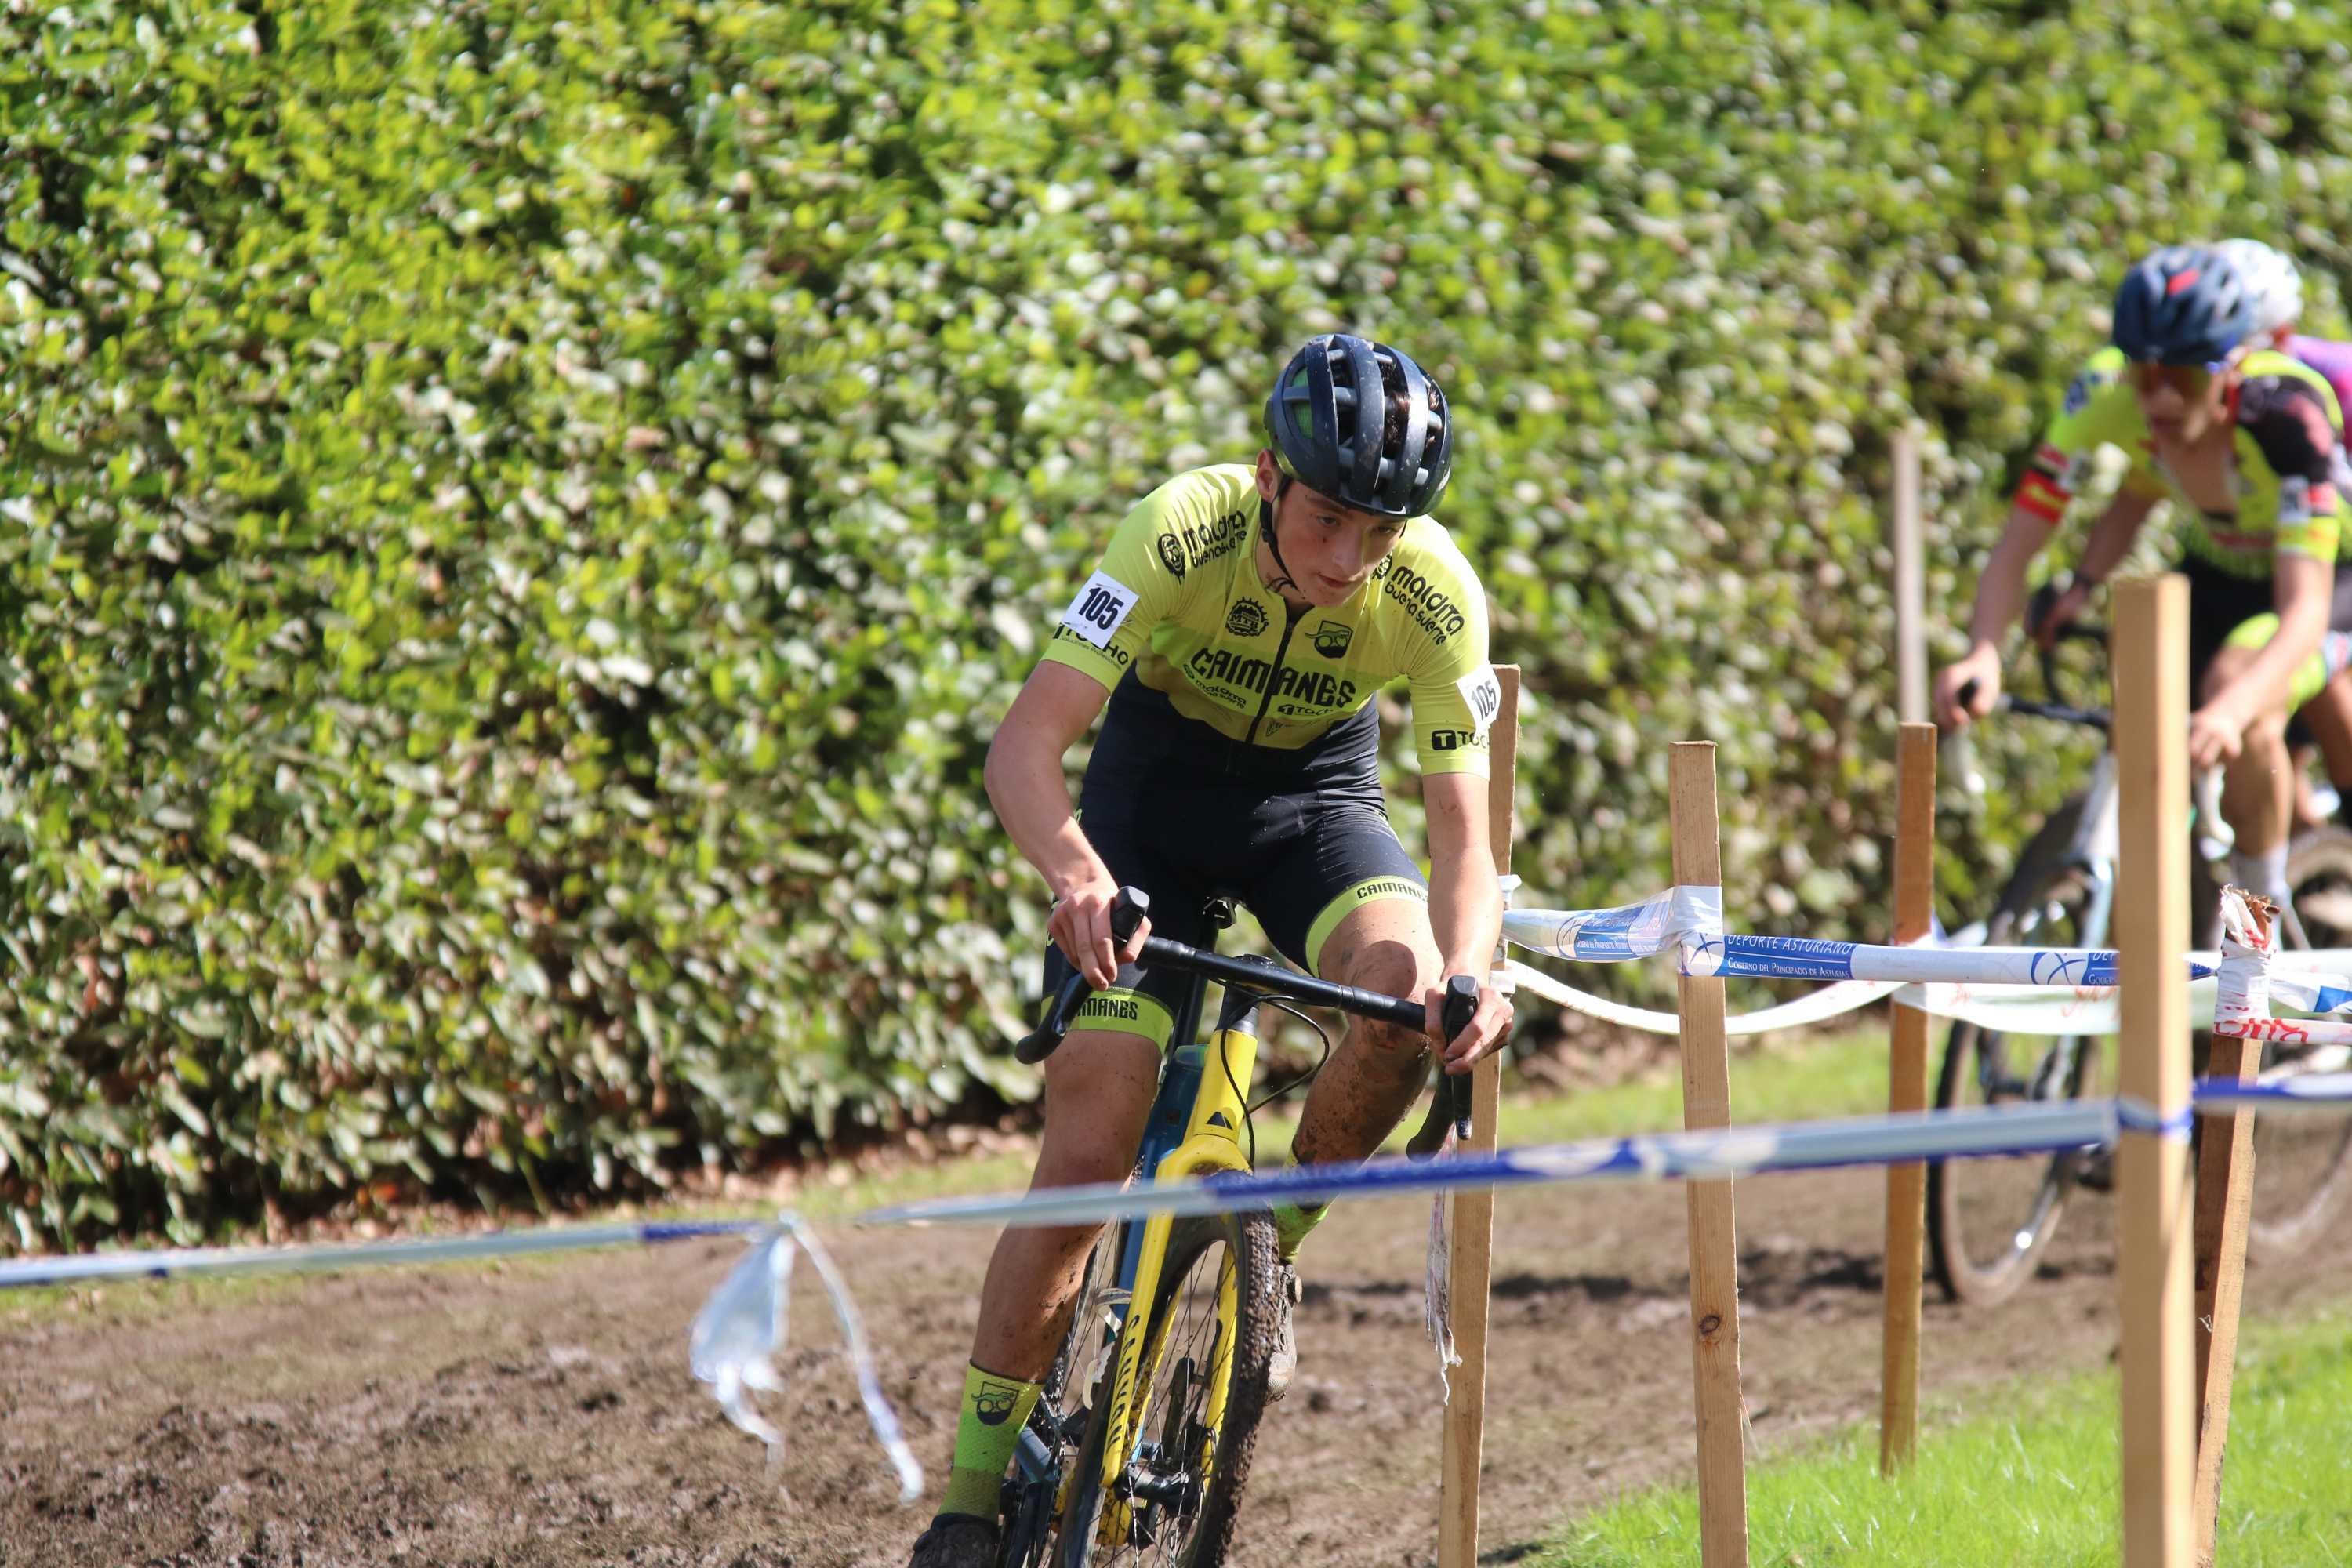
x,y
1989,1220
1187,1458
2303,1163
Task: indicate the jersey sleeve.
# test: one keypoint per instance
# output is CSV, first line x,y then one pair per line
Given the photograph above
x,y
2098,411
1455,695
2290,423
1138,584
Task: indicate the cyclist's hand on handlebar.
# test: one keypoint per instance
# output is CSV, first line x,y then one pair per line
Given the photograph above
x,y
1490,1027
2216,734
1967,688
2061,612
1080,926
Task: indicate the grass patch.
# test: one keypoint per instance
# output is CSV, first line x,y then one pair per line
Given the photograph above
x,y
1831,1075
2035,1484
1809,1077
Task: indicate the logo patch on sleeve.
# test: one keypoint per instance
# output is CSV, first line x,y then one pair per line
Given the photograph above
x,y
1099,608
1483,693
2301,499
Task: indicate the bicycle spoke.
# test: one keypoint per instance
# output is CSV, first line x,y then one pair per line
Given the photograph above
x,y
1990,1219
1168,1473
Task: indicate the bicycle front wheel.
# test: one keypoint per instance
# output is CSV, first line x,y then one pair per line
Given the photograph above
x,y
1989,1220
1210,1336
2303,1163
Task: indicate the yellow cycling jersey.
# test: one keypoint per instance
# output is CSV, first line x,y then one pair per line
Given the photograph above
x,y
1178,599
2289,466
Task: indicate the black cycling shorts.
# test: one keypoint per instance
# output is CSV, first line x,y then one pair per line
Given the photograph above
x,y
1302,838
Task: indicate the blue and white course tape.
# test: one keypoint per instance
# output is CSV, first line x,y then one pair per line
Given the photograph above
x,y
1703,1155
178,1263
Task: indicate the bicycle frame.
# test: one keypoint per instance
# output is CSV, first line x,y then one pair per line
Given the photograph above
x,y
1195,1125
1210,1142
1195,1128
2098,839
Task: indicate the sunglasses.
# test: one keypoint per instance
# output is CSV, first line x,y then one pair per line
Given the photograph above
x,y
2191,380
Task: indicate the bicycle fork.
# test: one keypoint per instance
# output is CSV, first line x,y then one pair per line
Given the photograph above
x,y
1212,1142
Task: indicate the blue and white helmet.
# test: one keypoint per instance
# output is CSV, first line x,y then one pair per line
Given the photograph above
x,y
2274,279
2185,304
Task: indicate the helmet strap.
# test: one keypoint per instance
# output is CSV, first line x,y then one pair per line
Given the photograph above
x,y
1266,509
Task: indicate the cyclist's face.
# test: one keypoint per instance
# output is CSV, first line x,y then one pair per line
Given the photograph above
x,y
1331,549
2180,402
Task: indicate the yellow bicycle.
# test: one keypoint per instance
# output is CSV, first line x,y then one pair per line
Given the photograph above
x,y
1139,1450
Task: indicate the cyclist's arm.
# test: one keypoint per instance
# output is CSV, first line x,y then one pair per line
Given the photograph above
x,y
1967,687
2110,541
2098,411
2000,592
2295,430
1024,784
1455,701
1108,627
2304,588
2112,537
1024,780
1466,904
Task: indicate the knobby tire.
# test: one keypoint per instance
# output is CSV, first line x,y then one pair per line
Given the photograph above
x,y
1203,1541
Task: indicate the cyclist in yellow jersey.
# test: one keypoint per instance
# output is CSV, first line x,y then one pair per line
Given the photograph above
x,y
1237,629
2248,442
2323,687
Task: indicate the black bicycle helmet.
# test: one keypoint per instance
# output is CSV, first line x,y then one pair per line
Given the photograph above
x,y
1316,421
2185,304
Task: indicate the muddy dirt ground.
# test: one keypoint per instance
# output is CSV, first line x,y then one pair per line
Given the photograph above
x,y
542,1413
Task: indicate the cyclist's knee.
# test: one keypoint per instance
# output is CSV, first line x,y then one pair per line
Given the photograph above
x,y
2267,734
1393,972
1385,948
1389,967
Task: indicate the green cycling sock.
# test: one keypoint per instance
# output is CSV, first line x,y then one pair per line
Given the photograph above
x,y
1292,1224
987,1428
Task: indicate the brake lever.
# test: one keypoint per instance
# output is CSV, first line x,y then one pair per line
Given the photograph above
x,y
1046,1038
1127,912
1450,1101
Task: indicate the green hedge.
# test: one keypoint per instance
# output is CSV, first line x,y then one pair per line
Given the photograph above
x,y
517,523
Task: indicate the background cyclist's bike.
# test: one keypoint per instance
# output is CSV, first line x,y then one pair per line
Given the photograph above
x,y
1140,1445
1989,1221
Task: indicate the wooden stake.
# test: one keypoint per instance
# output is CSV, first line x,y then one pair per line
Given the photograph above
x,y
2225,1187
1472,1259
1714,1235
1910,580
2153,1233
1907,1089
